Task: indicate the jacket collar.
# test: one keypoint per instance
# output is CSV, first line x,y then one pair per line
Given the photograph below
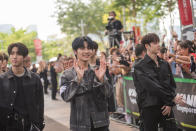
x,y
147,59
89,67
73,70
10,73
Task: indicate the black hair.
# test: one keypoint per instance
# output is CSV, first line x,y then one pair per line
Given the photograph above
x,y
59,56
150,37
79,43
22,49
188,44
1,56
139,48
5,56
163,50
95,45
113,12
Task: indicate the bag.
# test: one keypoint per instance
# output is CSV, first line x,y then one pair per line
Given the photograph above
x,y
34,128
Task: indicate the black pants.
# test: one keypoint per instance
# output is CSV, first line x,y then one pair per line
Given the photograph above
x,y
54,89
45,86
13,129
114,41
105,128
152,116
13,125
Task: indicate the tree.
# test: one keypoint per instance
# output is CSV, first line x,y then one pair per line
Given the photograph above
x,y
147,9
70,13
169,6
20,35
53,47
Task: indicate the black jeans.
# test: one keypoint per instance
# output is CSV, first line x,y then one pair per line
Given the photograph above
x,y
105,128
45,86
14,125
54,89
152,116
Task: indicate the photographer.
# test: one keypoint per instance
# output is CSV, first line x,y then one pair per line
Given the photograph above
x,y
114,30
119,63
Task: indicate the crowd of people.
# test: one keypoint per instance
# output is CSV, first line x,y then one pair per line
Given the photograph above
x,y
91,82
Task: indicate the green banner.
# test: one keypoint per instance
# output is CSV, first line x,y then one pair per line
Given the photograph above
x,y
185,116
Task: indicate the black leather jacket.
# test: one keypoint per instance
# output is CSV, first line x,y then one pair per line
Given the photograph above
x,y
33,91
89,99
155,86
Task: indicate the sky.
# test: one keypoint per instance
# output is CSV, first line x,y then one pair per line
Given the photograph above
x,y
22,13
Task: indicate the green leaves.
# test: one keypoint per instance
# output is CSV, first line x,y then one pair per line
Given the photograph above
x,y
148,10
20,35
70,13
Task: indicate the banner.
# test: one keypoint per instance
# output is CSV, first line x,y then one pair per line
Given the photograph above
x,y
136,30
130,97
185,12
185,116
38,47
186,19
187,33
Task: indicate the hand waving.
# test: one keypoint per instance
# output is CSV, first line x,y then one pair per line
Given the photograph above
x,y
101,70
79,71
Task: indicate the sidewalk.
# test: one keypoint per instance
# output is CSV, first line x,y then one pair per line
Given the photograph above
x,y
52,125
57,115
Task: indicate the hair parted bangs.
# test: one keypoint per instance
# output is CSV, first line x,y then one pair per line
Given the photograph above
x,y
150,37
22,49
79,43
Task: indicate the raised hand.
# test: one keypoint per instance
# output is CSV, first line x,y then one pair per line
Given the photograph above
x,y
101,70
79,71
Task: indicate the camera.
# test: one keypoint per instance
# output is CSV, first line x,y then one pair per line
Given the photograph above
x,y
110,19
110,26
123,60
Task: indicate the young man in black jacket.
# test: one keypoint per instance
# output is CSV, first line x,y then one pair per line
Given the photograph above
x,y
140,52
21,94
87,89
155,87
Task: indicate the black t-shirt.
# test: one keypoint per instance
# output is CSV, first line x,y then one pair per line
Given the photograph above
x,y
19,104
117,25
